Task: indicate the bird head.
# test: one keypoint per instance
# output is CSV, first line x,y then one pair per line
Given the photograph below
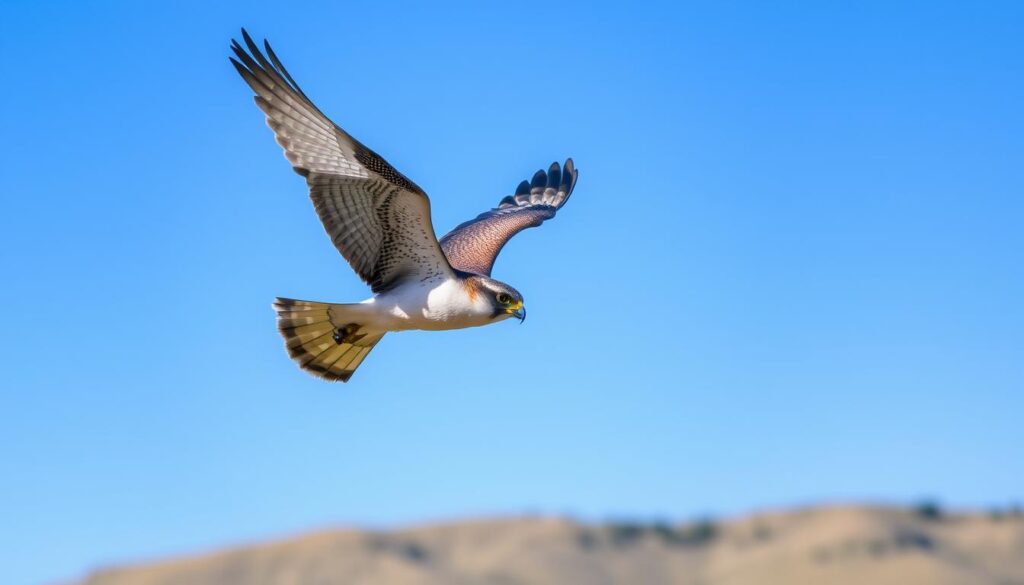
x,y
505,300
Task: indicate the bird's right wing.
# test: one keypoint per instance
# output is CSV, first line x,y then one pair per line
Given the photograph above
x,y
377,218
474,245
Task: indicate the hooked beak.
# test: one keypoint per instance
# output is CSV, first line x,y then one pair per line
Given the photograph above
x,y
517,310
519,313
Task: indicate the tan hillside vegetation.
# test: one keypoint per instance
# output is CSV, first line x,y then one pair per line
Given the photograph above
x,y
836,545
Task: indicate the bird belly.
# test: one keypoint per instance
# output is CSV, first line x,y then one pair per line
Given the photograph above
x,y
435,305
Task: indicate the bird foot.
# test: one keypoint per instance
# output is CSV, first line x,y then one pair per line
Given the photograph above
x,y
347,334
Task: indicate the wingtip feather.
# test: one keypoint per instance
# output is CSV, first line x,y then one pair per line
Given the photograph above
x,y
554,175
540,179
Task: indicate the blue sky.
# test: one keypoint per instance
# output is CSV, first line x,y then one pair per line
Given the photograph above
x,y
790,273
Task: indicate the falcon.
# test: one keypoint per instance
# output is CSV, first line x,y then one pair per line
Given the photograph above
x,y
380,222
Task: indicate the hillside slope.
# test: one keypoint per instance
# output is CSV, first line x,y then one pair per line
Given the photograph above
x,y
836,545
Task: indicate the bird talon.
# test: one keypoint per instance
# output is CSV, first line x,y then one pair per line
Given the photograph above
x,y
347,334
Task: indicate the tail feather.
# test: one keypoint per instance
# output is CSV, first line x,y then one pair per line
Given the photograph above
x,y
325,339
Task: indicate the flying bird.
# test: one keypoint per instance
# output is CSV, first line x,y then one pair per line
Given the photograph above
x,y
380,222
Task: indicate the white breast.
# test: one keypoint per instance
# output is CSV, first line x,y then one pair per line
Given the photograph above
x,y
434,305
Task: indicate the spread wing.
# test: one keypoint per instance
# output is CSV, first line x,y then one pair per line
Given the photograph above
x,y
377,218
474,245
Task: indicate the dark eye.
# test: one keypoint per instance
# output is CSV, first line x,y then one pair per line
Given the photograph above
x,y
504,299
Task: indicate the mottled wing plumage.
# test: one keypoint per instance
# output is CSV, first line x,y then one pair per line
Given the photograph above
x,y
376,217
382,231
473,246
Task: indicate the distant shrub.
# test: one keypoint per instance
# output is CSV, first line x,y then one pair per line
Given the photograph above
x,y
701,533
587,539
625,533
928,510
407,549
911,539
629,533
413,551
696,534
998,513
665,532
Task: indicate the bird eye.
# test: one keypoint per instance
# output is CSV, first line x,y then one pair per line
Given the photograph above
x,y
504,299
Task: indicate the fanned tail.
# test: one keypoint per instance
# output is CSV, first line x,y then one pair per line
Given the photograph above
x,y
325,339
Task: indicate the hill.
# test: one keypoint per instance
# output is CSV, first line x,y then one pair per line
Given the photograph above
x,y
835,545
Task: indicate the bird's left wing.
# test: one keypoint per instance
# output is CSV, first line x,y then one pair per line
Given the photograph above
x,y
473,246
377,218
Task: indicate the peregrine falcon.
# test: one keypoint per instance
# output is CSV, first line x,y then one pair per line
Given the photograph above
x,y
380,222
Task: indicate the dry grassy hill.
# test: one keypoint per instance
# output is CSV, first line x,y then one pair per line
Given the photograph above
x,y
835,545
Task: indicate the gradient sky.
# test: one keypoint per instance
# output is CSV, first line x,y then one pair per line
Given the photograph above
x,y
791,271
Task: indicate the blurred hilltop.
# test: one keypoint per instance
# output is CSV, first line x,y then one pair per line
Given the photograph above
x,y
835,545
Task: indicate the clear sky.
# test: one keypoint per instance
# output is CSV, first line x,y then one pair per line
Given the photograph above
x,y
791,271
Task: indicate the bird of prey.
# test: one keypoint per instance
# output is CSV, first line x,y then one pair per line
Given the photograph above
x,y
380,222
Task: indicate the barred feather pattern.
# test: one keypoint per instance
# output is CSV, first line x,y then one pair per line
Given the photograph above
x,y
311,333
379,229
310,140
474,245
376,217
